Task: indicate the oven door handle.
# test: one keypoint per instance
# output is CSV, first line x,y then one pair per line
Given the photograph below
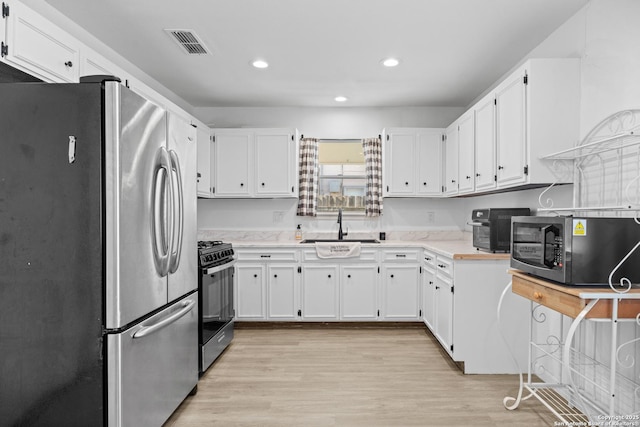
x,y
218,268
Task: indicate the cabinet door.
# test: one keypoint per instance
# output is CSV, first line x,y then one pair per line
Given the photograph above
x,y
466,154
444,312
451,161
401,292
232,164
358,292
275,163
282,292
204,162
250,295
400,162
320,292
511,131
429,298
41,47
429,164
3,26
485,144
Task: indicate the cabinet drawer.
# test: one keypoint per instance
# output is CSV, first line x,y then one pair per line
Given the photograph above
x,y
444,266
401,255
567,302
266,255
429,259
365,255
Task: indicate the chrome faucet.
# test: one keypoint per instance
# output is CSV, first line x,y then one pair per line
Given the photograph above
x,y
340,233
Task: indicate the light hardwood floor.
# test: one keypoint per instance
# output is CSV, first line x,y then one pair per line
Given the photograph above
x,y
337,376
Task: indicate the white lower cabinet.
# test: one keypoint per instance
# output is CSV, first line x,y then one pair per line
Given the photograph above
x,y
444,312
267,284
429,290
401,292
466,293
401,284
250,292
282,292
320,296
359,292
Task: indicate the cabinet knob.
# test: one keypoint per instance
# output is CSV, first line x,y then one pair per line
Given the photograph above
x,y
349,276
275,275
500,167
468,177
392,276
437,287
263,184
406,183
477,174
329,276
241,184
68,64
537,295
424,183
255,275
430,282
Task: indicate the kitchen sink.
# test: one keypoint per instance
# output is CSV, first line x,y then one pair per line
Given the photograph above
x,y
340,241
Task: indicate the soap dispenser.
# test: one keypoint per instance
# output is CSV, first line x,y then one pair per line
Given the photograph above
x,y
299,232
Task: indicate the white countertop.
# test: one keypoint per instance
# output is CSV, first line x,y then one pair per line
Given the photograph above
x,y
456,249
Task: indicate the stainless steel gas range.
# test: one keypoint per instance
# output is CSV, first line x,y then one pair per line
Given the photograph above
x,y
215,283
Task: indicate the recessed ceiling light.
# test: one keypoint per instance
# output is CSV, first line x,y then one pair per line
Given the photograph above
x,y
390,62
259,63
340,98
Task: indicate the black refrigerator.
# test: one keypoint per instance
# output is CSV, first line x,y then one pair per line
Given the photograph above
x,y
98,267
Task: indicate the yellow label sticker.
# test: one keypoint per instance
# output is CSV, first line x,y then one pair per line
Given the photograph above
x,y
580,227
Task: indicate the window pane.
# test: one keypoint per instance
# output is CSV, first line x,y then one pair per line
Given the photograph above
x,y
336,193
341,176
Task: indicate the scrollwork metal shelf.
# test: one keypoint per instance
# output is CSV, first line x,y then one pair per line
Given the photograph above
x,y
605,166
577,387
581,388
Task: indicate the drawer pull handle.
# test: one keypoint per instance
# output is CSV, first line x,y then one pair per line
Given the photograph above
x,y
537,295
68,64
401,255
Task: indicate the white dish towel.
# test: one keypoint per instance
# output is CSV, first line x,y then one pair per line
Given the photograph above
x,y
338,249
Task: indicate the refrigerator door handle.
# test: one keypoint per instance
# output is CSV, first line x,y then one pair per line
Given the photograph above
x,y
187,306
178,218
162,216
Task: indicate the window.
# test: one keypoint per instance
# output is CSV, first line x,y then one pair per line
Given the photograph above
x,y
341,176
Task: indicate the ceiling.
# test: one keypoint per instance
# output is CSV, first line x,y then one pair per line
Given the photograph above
x,y
450,51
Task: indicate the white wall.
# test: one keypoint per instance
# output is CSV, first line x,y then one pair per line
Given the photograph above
x,y
338,122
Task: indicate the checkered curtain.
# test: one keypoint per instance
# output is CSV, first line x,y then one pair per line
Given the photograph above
x,y
373,168
308,188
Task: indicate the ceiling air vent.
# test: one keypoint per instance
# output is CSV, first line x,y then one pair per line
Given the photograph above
x,y
189,41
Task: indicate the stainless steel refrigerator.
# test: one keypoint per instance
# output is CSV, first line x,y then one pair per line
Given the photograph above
x,y
98,267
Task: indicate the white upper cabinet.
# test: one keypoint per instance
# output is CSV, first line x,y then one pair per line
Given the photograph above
x,y
232,162
412,160
204,176
4,16
275,159
37,46
485,150
511,130
466,153
537,112
451,160
255,163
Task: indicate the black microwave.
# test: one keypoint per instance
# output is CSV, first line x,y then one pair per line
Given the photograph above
x,y
575,250
492,227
